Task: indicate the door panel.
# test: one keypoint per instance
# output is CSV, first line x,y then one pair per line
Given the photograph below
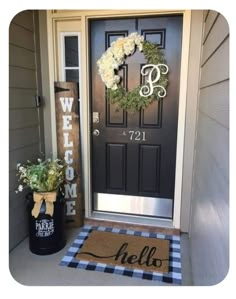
x,y
135,152
149,159
116,167
151,116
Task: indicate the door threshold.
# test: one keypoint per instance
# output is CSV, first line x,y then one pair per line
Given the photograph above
x,y
132,222
133,205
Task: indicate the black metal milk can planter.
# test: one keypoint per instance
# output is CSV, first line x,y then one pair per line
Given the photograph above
x,y
46,232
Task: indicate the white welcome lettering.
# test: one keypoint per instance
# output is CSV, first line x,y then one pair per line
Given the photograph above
x,y
66,122
66,104
66,140
70,190
70,173
70,208
66,157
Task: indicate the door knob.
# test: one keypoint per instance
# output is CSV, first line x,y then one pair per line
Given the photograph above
x,y
96,132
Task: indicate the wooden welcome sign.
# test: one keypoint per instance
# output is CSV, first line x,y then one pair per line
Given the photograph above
x,y
68,148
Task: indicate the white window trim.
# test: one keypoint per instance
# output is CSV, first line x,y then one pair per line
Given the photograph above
x,y
63,62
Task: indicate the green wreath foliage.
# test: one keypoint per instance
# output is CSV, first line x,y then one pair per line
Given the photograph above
x,y
132,100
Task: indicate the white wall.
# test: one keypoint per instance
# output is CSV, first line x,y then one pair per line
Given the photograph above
x,y
209,236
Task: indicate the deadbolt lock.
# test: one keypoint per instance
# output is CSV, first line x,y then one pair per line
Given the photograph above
x,y
95,117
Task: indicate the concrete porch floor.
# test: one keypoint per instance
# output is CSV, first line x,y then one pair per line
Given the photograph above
x,y
35,270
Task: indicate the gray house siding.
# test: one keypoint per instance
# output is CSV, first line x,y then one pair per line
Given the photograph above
x,y
210,198
25,119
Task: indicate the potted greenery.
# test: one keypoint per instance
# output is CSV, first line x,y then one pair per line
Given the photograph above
x,y
46,205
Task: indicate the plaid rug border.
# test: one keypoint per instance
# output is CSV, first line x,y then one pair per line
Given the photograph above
x,y
173,276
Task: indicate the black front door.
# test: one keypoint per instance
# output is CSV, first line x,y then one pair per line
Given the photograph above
x,y
134,153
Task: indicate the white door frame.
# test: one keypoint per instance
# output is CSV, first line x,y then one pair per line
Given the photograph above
x,y
84,17
180,144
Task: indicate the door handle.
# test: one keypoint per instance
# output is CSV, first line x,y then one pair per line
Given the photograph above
x,y
96,132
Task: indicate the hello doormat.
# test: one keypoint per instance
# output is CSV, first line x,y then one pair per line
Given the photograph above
x,y
148,254
152,256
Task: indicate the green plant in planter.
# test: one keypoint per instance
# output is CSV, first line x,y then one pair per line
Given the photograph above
x,y
45,179
42,176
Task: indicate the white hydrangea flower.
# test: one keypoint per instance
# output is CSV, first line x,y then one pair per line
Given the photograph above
x,y
129,47
115,56
140,47
116,79
20,188
114,87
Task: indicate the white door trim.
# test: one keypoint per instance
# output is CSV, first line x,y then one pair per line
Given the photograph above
x,y
180,135
85,105
181,118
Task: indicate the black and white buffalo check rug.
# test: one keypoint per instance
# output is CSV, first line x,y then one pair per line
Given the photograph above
x,y
173,276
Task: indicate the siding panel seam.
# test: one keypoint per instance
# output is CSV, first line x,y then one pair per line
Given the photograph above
x,y
21,47
213,119
22,67
24,146
215,83
20,87
25,88
213,24
215,50
26,127
206,16
23,108
27,29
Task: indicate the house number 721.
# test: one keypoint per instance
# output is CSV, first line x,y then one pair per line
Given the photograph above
x,y
137,135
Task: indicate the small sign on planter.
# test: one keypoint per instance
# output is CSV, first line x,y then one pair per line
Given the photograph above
x,y
68,148
47,230
44,227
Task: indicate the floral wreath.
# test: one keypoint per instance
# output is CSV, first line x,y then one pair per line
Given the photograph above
x,y
114,57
